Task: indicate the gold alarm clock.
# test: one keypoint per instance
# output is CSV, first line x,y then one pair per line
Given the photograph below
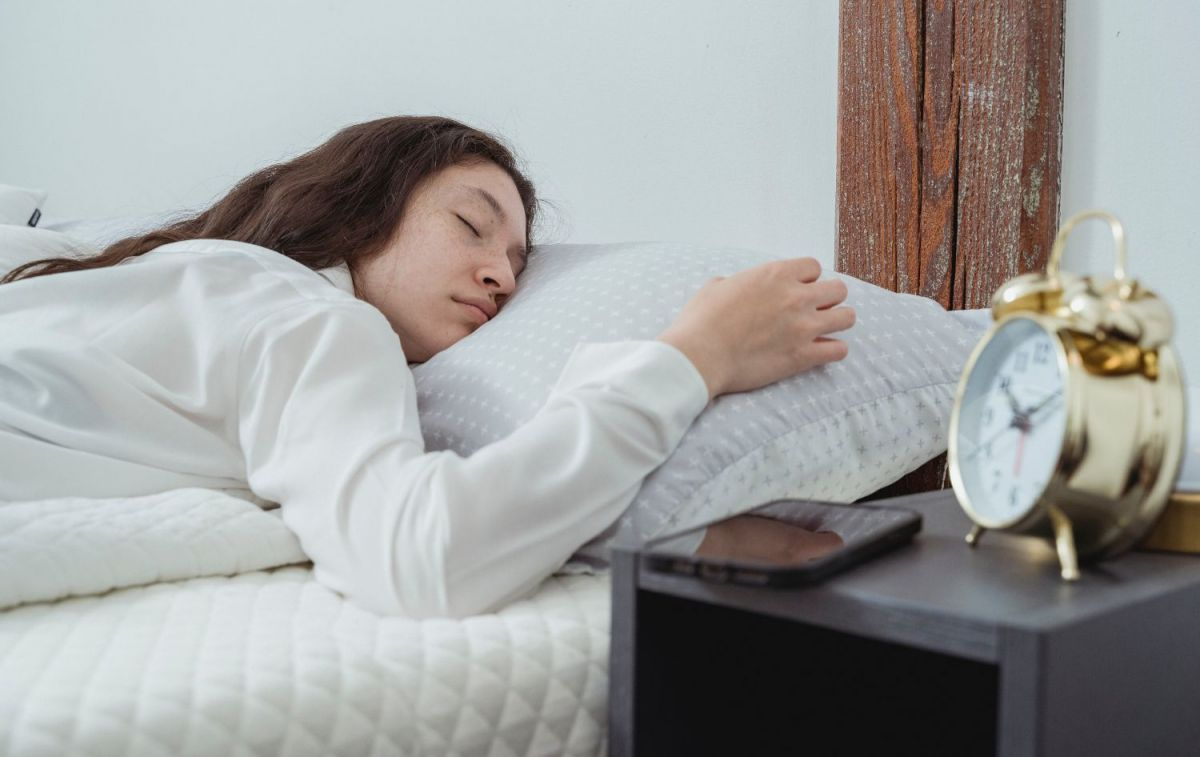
x,y
1069,418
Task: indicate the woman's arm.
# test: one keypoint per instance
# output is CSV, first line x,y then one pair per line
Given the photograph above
x,y
329,428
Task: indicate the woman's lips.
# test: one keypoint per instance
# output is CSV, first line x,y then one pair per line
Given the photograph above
x,y
476,312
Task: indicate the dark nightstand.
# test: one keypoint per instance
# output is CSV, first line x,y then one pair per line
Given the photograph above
x,y
935,648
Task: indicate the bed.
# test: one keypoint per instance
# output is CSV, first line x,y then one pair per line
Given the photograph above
x,y
173,636
189,622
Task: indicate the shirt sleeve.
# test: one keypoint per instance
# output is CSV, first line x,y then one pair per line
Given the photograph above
x,y
329,428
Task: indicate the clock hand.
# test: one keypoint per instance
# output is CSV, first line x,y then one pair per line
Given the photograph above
x,y
1025,421
1012,398
1020,452
985,445
1022,420
1045,401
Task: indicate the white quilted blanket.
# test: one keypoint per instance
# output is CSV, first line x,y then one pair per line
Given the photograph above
x,y
164,625
75,546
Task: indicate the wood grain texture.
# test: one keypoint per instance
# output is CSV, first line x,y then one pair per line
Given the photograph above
x,y
939,155
879,113
949,137
1041,167
1009,68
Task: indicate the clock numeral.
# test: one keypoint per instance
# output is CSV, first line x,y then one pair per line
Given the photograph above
x,y
1021,362
1041,353
1012,497
1005,382
988,415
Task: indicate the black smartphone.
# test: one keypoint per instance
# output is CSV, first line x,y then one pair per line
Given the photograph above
x,y
784,543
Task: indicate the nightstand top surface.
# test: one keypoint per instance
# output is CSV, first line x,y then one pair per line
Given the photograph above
x,y
956,597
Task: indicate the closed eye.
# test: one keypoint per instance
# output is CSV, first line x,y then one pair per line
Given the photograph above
x,y
468,224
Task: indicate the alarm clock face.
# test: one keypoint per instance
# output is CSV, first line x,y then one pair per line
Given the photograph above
x,y
1011,421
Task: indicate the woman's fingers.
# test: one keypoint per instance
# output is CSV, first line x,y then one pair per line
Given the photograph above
x,y
825,350
806,270
828,293
835,319
761,325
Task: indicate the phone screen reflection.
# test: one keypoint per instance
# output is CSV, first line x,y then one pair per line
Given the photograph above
x,y
752,538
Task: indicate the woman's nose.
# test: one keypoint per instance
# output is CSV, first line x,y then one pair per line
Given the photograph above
x,y
498,276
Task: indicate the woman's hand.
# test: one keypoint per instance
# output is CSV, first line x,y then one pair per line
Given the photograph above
x,y
761,325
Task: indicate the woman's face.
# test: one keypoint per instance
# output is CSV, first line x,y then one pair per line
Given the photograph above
x,y
453,261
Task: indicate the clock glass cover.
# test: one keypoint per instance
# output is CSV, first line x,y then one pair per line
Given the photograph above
x,y
1011,422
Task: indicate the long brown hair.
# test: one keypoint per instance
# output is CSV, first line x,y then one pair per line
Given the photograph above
x,y
340,202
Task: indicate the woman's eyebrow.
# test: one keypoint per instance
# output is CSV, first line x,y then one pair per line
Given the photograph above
x,y
490,200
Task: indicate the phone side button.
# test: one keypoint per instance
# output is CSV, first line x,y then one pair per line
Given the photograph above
x,y
752,577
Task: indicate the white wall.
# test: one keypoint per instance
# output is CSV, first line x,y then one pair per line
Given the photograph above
x,y
697,120
1131,145
706,121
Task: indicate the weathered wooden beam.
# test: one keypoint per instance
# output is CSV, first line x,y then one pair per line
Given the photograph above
x,y
939,155
1008,59
878,167
949,143
949,140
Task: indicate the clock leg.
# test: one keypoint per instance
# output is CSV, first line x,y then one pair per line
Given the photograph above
x,y
1064,539
973,537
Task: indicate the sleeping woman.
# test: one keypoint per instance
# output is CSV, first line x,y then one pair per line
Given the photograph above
x,y
262,347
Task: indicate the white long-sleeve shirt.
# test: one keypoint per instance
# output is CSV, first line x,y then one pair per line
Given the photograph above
x,y
225,365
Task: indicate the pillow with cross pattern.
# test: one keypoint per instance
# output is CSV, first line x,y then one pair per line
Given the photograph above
x,y
837,432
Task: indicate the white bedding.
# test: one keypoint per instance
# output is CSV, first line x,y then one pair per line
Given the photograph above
x,y
223,651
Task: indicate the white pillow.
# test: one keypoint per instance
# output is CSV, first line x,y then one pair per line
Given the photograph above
x,y
101,232
73,238
20,206
24,244
838,432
